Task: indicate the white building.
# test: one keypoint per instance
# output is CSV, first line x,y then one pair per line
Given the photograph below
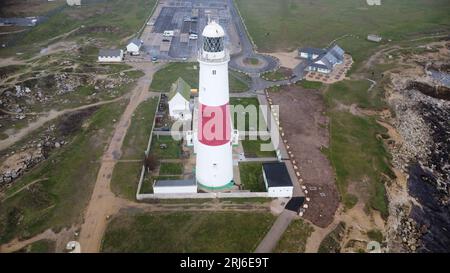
x,y
174,186
374,38
213,130
134,46
277,180
110,55
322,60
73,2
179,100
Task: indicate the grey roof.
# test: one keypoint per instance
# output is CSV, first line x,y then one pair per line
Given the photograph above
x,y
182,87
175,183
337,52
136,41
330,58
328,66
277,174
312,50
109,53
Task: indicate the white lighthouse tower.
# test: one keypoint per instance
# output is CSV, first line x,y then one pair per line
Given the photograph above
x,y
212,137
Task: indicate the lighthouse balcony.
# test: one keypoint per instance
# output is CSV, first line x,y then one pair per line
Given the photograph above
x,y
214,57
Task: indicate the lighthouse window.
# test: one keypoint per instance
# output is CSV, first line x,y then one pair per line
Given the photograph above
x,y
214,72
211,44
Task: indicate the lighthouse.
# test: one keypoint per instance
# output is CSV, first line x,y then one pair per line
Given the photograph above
x,y
212,139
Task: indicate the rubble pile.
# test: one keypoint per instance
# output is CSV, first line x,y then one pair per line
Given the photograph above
x,y
17,163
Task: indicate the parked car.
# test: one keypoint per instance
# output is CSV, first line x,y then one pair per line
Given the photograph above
x,y
168,33
154,59
193,37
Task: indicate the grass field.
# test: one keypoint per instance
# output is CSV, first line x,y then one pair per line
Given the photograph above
x,y
187,232
310,84
64,182
355,92
252,148
125,179
251,176
136,140
356,153
243,120
105,21
164,78
286,24
294,238
170,169
172,151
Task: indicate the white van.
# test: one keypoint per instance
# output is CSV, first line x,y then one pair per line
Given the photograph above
x,y
168,33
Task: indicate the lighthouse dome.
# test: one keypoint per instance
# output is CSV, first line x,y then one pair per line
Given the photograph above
x,y
213,30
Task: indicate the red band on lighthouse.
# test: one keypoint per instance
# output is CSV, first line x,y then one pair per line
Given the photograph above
x,y
214,127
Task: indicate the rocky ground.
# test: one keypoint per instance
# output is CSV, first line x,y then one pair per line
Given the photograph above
x,y
419,205
22,157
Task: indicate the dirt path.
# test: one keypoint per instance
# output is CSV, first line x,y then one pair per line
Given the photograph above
x,y
13,138
103,202
60,238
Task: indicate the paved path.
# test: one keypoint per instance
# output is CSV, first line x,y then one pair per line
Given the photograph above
x,y
103,202
271,239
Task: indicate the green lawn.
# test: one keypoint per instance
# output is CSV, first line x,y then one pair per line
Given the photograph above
x,y
310,84
136,140
163,79
355,91
68,177
187,232
356,153
247,119
358,156
172,151
276,75
170,169
286,24
251,176
294,238
125,179
251,61
252,148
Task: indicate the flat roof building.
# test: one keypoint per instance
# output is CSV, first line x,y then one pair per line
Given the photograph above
x,y
110,55
277,179
174,186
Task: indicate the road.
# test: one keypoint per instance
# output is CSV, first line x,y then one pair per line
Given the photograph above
x,y
276,231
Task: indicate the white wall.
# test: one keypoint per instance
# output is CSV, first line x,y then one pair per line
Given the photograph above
x,y
280,191
175,189
179,108
131,47
109,59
